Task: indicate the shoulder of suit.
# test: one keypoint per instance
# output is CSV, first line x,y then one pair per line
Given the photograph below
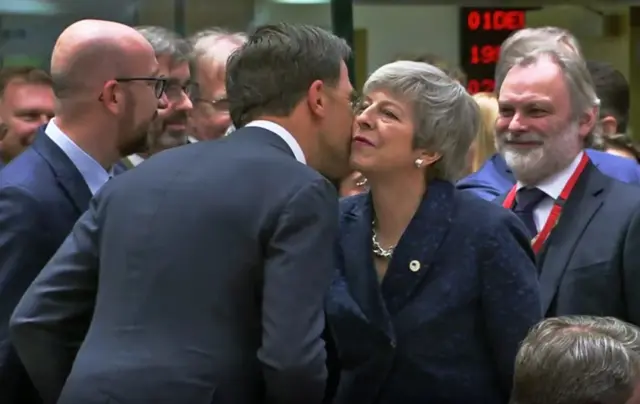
x,y
622,193
28,171
348,202
470,206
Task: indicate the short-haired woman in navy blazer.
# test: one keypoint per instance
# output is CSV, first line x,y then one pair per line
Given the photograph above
x,y
434,288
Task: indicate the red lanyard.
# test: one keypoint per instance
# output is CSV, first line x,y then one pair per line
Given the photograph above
x,y
539,240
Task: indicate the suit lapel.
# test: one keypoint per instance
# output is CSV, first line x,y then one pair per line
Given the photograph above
x,y
68,176
359,268
583,203
418,246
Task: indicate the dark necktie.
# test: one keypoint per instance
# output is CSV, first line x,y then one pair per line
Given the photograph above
x,y
526,201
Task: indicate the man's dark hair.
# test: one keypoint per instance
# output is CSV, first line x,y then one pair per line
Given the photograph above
x,y
166,42
273,70
623,142
451,70
612,89
23,74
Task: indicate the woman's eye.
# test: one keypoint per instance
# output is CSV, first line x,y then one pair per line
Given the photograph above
x,y
389,114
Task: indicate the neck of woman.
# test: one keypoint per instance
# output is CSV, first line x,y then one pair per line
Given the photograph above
x,y
395,201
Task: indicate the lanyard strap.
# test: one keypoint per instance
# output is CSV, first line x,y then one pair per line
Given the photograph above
x,y
538,241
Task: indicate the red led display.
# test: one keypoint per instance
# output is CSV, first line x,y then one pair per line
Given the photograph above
x,y
486,54
484,85
495,20
482,32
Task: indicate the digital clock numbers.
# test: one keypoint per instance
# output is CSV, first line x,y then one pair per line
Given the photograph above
x,y
482,32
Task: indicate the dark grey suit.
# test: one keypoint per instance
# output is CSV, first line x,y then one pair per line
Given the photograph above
x,y
196,278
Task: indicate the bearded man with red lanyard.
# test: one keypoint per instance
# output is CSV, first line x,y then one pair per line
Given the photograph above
x,y
585,226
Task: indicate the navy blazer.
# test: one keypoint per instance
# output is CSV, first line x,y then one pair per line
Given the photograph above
x,y
447,333
495,178
42,194
231,313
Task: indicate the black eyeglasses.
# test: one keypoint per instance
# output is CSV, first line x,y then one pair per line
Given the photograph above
x,y
175,90
159,83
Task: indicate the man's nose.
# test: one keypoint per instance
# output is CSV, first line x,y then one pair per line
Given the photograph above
x,y
516,124
185,104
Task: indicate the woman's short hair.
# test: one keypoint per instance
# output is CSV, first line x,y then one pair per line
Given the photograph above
x,y
451,70
446,118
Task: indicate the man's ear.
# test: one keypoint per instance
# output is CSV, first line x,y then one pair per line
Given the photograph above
x,y
609,125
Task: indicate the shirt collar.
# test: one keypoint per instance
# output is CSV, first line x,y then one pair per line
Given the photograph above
x,y
284,134
135,159
554,184
93,173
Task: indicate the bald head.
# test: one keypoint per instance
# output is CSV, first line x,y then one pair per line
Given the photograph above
x,y
90,52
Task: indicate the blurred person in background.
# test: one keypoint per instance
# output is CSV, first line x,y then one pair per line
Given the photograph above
x,y
210,116
171,126
578,360
495,177
484,145
622,145
613,90
105,77
26,103
428,303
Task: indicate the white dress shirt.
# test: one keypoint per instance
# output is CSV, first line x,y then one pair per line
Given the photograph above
x,y
135,159
93,173
284,134
552,186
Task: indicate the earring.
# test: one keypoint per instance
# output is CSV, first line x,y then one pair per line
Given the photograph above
x,y
419,162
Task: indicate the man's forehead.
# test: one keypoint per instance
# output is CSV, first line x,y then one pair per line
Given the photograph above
x,y
22,91
542,79
179,71
168,62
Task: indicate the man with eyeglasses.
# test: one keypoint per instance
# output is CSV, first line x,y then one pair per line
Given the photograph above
x,y
105,77
170,128
210,117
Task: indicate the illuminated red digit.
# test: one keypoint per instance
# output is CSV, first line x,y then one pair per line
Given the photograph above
x,y
487,21
487,85
475,57
489,54
473,86
499,20
473,20
515,20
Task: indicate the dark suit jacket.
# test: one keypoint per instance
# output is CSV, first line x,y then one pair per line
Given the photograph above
x,y
42,194
208,289
495,178
447,333
591,262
